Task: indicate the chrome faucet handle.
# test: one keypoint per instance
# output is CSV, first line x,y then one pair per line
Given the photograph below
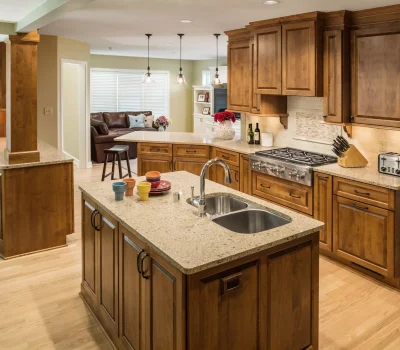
x,y
192,188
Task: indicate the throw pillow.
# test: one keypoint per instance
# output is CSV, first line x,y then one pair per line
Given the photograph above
x,y
101,127
148,121
136,121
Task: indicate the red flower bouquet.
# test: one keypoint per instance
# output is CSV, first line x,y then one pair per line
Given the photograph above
x,y
222,116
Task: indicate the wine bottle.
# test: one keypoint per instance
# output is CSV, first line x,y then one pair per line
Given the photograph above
x,y
251,134
257,135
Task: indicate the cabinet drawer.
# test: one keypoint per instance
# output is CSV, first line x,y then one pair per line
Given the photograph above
x,y
289,194
373,195
231,158
155,148
191,151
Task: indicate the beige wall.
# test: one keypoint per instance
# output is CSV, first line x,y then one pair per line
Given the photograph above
x,y
47,83
181,103
71,108
370,141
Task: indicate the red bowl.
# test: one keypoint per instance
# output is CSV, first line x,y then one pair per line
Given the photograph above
x,y
154,184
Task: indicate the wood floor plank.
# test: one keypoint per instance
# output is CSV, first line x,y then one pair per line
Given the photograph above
x,y
41,309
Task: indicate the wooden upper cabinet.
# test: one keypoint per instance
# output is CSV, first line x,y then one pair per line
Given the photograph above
x,y
301,66
336,76
268,60
376,75
254,97
239,75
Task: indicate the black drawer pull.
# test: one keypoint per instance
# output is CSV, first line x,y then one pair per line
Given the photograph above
x,y
265,186
141,266
358,207
294,196
230,283
191,151
226,157
362,193
137,261
155,149
323,177
97,228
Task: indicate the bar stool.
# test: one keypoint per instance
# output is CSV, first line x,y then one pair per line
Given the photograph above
x,y
116,152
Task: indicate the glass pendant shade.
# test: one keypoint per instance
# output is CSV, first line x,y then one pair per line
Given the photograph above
x,y
147,79
180,79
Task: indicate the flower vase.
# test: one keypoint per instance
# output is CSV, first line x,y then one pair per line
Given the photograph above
x,y
224,130
162,128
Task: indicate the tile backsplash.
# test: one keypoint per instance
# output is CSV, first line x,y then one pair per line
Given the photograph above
x,y
306,130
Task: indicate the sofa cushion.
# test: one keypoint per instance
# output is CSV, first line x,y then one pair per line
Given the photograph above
x,y
136,121
148,121
97,116
101,127
116,119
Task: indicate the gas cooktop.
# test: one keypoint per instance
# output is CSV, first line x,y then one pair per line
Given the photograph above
x,y
289,163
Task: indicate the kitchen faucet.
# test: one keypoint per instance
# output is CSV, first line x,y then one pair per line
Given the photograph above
x,y
201,202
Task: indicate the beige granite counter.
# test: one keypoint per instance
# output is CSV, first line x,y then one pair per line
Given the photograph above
x,y
236,145
48,155
369,175
190,243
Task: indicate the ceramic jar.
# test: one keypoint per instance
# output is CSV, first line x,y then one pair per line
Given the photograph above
x,y
130,185
224,130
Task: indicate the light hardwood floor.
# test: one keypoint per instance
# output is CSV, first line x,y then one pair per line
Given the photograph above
x,y
40,307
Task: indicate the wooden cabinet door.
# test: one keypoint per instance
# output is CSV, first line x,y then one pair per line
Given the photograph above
x,y
245,174
255,100
289,298
239,75
323,187
299,59
218,176
89,253
268,60
375,76
108,283
150,163
224,310
364,235
191,165
336,76
131,291
165,319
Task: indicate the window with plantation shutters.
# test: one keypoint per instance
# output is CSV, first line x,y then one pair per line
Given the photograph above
x,y
120,91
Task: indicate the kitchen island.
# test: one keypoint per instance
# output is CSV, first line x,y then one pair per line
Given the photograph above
x,y
156,276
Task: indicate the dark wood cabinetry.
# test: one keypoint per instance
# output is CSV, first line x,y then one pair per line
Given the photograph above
x,y
375,89
301,61
337,76
323,188
245,174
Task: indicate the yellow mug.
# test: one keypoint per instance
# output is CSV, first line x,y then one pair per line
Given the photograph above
x,y
144,190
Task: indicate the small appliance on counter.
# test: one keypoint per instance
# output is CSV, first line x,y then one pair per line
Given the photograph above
x,y
349,155
389,163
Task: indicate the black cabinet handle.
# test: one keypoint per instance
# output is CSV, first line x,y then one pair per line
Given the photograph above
x,y
323,177
226,157
141,266
137,261
265,186
294,196
230,283
97,228
361,208
362,193
91,218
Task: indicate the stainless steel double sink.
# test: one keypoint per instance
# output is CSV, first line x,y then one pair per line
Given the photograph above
x,y
240,216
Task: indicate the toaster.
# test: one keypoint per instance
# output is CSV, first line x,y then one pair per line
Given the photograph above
x,y
389,163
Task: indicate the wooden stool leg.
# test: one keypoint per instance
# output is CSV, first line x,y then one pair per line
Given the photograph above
x,y
104,167
128,165
113,167
119,166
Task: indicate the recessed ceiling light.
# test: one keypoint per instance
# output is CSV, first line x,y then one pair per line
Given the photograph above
x,y
271,2
186,21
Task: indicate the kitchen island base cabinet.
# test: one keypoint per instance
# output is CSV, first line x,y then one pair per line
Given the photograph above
x,y
268,300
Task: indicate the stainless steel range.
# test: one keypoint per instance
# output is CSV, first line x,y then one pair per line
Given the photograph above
x,y
289,163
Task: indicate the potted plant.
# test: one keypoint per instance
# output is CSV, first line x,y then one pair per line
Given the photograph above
x,y
162,123
224,129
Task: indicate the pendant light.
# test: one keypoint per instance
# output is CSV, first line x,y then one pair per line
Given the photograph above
x,y
147,76
180,78
216,80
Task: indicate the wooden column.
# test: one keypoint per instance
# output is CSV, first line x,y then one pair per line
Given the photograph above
x,y
21,88
2,89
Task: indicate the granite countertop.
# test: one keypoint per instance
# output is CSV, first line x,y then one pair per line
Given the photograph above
x,y
190,243
48,155
236,145
369,175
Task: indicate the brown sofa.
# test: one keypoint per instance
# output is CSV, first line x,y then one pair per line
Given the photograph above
x,y
105,127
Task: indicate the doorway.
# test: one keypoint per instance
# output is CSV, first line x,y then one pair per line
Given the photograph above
x,y
74,127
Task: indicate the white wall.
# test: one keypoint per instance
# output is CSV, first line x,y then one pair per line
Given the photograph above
x,y
71,90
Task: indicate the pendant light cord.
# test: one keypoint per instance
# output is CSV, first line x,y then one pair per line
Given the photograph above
x,y
180,52
148,51
217,35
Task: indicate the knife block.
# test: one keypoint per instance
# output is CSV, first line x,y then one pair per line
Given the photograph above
x,y
352,158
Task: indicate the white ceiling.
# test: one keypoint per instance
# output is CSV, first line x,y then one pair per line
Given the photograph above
x,y
15,10
121,24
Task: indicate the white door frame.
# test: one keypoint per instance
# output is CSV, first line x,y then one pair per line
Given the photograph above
x,y
84,160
